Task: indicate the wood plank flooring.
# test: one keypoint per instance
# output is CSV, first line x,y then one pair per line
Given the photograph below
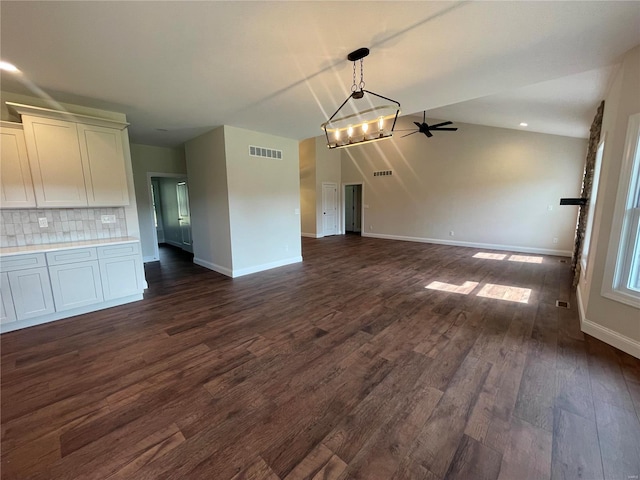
x,y
343,367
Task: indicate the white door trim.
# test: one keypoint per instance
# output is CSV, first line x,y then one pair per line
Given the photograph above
x,y
343,227
156,251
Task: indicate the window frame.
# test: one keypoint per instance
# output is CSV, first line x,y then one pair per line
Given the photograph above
x,y
623,255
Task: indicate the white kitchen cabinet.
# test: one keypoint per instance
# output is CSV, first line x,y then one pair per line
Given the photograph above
x,y
7,310
16,186
31,292
103,165
75,278
56,164
75,160
76,285
121,270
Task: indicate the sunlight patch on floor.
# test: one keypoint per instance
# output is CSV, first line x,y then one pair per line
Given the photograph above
x,y
505,292
465,289
490,256
525,259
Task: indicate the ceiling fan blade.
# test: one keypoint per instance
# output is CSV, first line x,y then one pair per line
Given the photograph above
x,y
404,130
417,124
445,129
428,134
440,124
409,134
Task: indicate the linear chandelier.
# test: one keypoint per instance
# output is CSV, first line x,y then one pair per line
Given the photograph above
x,y
364,116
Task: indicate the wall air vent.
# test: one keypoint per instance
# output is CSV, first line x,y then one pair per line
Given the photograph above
x,y
383,173
265,152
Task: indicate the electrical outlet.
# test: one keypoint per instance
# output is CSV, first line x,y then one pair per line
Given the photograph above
x,y
555,239
451,233
108,218
43,222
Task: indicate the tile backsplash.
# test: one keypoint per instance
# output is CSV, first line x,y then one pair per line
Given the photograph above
x,y
21,227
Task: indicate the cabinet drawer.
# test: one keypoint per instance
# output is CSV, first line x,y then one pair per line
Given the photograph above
x,y
71,256
120,250
22,262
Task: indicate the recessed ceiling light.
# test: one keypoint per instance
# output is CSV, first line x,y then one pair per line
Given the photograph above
x,y
9,67
523,124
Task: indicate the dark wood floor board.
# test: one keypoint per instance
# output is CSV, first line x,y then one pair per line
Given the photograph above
x,y
474,460
526,452
342,367
537,391
607,381
320,463
438,441
619,439
575,450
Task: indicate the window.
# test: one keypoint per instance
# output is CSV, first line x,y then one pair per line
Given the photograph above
x,y
622,271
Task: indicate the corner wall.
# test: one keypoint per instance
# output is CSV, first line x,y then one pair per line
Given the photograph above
x,y
611,321
209,201
492,187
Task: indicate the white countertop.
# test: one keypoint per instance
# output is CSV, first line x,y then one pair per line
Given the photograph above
x,y
49,247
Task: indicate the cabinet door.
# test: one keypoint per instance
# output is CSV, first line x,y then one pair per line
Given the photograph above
x,y
56,164
121,276
31,292
76,285
104,166
16,187
7,312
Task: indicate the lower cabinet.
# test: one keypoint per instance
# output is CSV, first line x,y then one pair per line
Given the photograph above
x,y
31,293
7,311
76,285
121,276
58,284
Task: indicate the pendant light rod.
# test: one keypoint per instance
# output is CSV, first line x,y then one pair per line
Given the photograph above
x,y
358,54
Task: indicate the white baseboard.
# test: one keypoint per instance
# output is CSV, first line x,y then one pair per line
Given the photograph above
x,y
266,266
212,266
310,235
611,337
150,258
488,246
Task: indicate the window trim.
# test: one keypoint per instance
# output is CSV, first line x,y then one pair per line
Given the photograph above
x,y
614,285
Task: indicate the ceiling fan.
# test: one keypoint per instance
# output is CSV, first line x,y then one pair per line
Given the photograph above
x,y
425,128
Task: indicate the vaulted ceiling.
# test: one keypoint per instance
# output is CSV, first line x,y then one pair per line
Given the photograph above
x,y
281,68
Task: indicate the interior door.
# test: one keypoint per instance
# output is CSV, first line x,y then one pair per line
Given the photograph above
x,y
329,209
184,214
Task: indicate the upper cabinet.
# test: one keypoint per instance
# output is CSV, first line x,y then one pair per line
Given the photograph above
x,y
75,160
16,187
103,165
56,164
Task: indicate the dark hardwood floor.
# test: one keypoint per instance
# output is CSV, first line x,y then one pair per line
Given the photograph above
x,y
343,367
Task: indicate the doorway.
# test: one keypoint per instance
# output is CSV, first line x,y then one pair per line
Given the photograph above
x,y
329,209
171,213
353,209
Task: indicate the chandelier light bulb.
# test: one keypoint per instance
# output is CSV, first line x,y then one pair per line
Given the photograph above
x,y
337,134
380,123
365,127
350,131
9,67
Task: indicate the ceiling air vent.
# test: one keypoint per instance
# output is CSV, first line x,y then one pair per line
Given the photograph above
x,y
265,152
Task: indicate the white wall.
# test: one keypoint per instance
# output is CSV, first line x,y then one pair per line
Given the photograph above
x,y
147,159
308,187
611,321
490,186
209,201
264,201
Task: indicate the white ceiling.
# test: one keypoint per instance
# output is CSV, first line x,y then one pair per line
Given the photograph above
x,y
281,68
